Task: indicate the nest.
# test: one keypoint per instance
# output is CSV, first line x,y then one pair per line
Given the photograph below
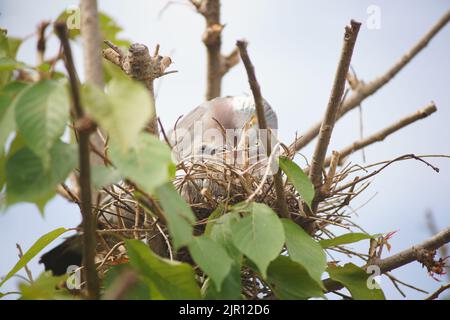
x,y
208,183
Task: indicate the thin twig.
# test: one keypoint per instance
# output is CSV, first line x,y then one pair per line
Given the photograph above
x,y
85,127
436,294
27,270
365,90
326,129
381,135
402,258
259,104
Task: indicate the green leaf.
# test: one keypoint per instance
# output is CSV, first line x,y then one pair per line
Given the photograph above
x,y
140,291
298,178
7,121
45,287
290,281
110,30
178,214
102,176
9,64
148,162
40,244
42,111
355,279
2,170
28,180
305,250
346,239
259,235
168,279
71,17
8,50
217,213
123,112
212,258
231,286
221,233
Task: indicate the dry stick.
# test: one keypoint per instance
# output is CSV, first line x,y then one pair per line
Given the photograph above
x,y
326,129
85,127
381,135
217,64
365,90
402,258
139,65
27,270
436,294
259,104
41,43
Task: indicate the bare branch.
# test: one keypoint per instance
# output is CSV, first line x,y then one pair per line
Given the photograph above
x,y
326,129
256,90
27,270
85,127
365,90
217,64
402,258
436,294
140,65
381,135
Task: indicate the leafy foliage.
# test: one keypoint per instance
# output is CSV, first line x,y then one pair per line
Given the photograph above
x,y
289,280
304,250
37,247
46,287
244,238
178,215
42,111
166,279
259,235
28,179
211,258
122,112
355,280
346,239
298,178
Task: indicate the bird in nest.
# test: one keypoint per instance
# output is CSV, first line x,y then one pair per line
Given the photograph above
x,y
222,129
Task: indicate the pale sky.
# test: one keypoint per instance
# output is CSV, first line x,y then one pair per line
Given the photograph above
x,y
294,46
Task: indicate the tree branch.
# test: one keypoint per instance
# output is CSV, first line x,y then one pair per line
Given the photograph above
x,y
84,127
92,58
139,65
259,104
217,64
381,135
326,129
436,294
402,258
363,90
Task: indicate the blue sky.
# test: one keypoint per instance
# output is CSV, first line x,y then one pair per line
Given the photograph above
x,y
294,46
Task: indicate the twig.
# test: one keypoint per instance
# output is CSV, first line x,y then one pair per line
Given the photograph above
x,y
217,64
326,129
259,104
27,270
41,43
381,135
436,294
402,258
84,127
141,66
367,89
